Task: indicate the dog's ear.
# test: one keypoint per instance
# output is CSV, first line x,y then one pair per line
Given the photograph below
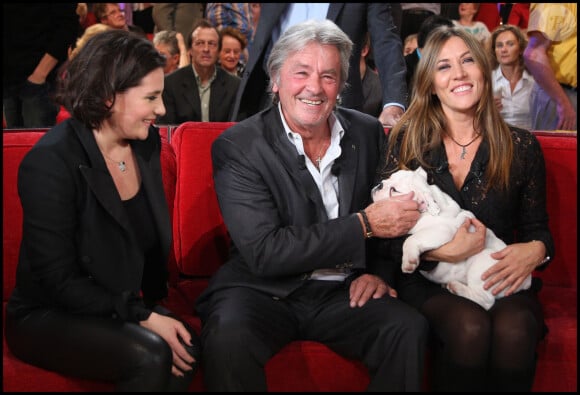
x,y
421,173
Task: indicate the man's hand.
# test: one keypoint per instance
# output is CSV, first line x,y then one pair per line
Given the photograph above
x,y
390,116
367,286
393,217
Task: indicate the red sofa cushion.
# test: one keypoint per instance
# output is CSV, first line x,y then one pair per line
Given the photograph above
x,y
561,156
201,239
16,144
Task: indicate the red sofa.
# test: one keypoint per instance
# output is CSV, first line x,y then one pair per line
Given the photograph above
x,y
201,243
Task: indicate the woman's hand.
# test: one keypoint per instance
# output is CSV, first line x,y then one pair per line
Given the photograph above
x,y
171,330
467,241
515,263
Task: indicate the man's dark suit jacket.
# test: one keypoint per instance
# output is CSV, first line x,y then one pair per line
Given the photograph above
x,y
182,102
273,209
355,20
79,253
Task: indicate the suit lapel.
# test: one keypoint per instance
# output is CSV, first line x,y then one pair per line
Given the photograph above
x,y
98,178
346,165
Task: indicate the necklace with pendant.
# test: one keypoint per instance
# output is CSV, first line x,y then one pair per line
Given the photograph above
x,y
319,156
464,146
122,165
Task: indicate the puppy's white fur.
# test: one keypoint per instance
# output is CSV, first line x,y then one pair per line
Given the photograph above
x,y
440,218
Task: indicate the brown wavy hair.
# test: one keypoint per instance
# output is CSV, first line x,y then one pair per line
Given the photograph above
x,y
423,125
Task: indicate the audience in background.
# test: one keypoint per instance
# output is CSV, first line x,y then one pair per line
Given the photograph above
x,y
518,15
202,92
467,21
179,17
172,45
36,41
551,57
89,33
411,60
232,44
512,84
142,16
354,18
237,15
488,14
410,44
413,15
112,15
371,84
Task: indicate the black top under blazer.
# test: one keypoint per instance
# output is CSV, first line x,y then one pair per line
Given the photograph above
x,y
182,102
273,209
79,253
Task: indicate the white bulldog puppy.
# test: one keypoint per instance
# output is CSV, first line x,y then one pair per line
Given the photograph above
x,y
440,218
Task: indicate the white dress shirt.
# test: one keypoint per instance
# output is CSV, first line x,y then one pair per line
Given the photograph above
x,y
516,104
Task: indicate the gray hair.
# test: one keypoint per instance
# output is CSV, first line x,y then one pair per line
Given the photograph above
x,y
294,39
169,38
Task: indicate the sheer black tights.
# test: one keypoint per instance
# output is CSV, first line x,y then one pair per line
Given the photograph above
x,y
479,350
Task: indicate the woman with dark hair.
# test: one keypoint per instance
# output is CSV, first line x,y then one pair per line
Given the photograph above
x,y
97,232
453,130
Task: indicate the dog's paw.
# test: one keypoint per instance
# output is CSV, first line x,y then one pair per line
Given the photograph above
x,y
455,287
409,265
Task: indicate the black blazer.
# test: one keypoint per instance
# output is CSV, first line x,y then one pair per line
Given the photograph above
x,y
79,253
274,212
355,19
181,97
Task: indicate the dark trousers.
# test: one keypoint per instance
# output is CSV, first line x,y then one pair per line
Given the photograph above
x,y
133,357
29,105
244,328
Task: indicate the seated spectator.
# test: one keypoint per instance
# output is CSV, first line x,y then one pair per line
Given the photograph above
x,y
410,44
412,59
467,21
232,44
371,84
238,15
512,83
112,15
202,92
73,51
172,45
89,33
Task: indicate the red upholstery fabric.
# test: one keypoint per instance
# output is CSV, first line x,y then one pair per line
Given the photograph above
x,y
201,242
557,354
